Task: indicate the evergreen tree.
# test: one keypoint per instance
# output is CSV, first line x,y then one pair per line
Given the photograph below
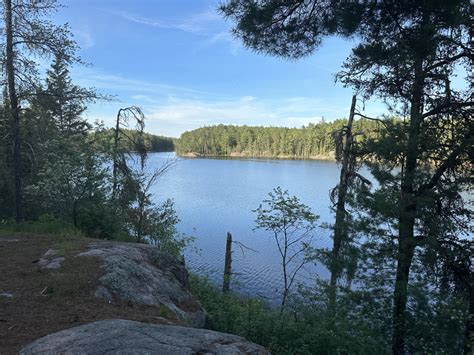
x,y
65,102
406,54
27,34
309,142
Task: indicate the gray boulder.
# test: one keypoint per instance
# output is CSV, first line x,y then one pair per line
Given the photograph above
x,y
140,274
50,260
128,337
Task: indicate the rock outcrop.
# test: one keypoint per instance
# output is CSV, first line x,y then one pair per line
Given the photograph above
x,y
50,260
129,337
138,273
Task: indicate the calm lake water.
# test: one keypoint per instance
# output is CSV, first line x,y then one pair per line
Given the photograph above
x,y
216,196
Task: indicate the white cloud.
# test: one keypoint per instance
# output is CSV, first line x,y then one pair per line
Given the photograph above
x,y
173,115
225,37
197,23
177,115
84,38
207,24
171,110
117,84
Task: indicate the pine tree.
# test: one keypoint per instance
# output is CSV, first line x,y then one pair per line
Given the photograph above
x,y
27,34
65,102
406,54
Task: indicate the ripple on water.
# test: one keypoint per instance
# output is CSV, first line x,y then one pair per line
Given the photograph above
x,y
216,196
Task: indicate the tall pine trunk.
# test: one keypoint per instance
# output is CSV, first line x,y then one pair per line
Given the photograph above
x,y
407,215
340,227
406,249
469,345
15,111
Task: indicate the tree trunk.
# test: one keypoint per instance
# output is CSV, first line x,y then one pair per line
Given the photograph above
x,y
469,345
340,228
404,259
285,273
227,264
115,157
285,290
407,215
15,111
74,213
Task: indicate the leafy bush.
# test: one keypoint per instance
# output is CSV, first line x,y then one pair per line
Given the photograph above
x,y
99,221
303,328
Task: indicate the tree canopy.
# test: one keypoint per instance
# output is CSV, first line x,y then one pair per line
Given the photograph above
x,y
406,53
312,141
53,161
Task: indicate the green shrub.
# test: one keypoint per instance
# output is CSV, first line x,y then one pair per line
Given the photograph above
x,y
304,327
100,221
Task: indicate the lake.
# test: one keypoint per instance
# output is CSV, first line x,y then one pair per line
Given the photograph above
x,y
216,196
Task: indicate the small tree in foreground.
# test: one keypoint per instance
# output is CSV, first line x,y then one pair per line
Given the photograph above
x,y
132,181
291,223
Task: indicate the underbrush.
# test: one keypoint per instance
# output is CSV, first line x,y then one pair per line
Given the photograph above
x,y
49,225
45,224
303,328
360,324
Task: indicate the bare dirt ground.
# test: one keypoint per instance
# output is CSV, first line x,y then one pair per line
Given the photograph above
x,y
36,302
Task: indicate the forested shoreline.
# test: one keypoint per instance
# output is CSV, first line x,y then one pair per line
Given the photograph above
x,y
314,141
400,263
152,143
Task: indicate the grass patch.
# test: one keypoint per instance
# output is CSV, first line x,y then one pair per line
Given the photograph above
x,y
45,225
165,312
69,244
61,284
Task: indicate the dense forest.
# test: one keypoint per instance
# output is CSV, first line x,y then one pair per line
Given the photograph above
x,y
315,141
152,142
401,271
58,168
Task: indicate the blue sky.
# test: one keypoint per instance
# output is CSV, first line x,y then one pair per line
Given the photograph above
x,y
177,60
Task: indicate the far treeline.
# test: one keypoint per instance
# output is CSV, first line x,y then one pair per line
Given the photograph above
x,y
402,276
153,143
314,141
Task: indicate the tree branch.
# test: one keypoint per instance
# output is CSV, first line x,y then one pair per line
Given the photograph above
x,y
450,161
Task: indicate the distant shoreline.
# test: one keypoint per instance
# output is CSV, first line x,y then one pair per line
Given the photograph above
x,y
248,156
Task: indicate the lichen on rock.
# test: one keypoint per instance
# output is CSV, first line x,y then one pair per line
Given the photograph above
x,y
139,273
50,260
118,336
